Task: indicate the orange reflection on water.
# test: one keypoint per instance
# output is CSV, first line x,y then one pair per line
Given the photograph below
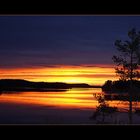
x,y
74,98
69,99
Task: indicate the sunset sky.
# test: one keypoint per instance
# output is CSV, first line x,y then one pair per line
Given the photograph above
x,y
73,49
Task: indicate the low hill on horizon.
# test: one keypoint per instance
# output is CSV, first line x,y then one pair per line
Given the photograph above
x,y
24,85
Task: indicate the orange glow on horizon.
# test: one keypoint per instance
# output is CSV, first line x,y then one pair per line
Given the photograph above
x,y
93,75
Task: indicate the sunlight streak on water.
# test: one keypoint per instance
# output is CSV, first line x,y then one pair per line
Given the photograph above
x,y
73,98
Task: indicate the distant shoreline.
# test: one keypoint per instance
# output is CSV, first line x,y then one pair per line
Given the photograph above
x,y
24,85
121,86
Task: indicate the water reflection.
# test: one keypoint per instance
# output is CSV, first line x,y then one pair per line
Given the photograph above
x,y
79,98
73,98
107,108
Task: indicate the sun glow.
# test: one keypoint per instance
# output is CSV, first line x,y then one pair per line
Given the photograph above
x,y
94,75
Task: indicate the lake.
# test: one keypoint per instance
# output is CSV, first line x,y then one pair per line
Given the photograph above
x,y
74,106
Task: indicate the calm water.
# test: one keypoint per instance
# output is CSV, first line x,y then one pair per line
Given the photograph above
x,y
80,98
74,106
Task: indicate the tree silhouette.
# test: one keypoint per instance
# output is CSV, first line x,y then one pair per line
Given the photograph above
x,y
127,63
103,110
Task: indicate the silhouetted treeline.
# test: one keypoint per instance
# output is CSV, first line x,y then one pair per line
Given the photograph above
x,y
23,85
120,86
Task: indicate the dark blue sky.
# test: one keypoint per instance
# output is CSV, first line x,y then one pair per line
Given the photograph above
x,y
27,41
